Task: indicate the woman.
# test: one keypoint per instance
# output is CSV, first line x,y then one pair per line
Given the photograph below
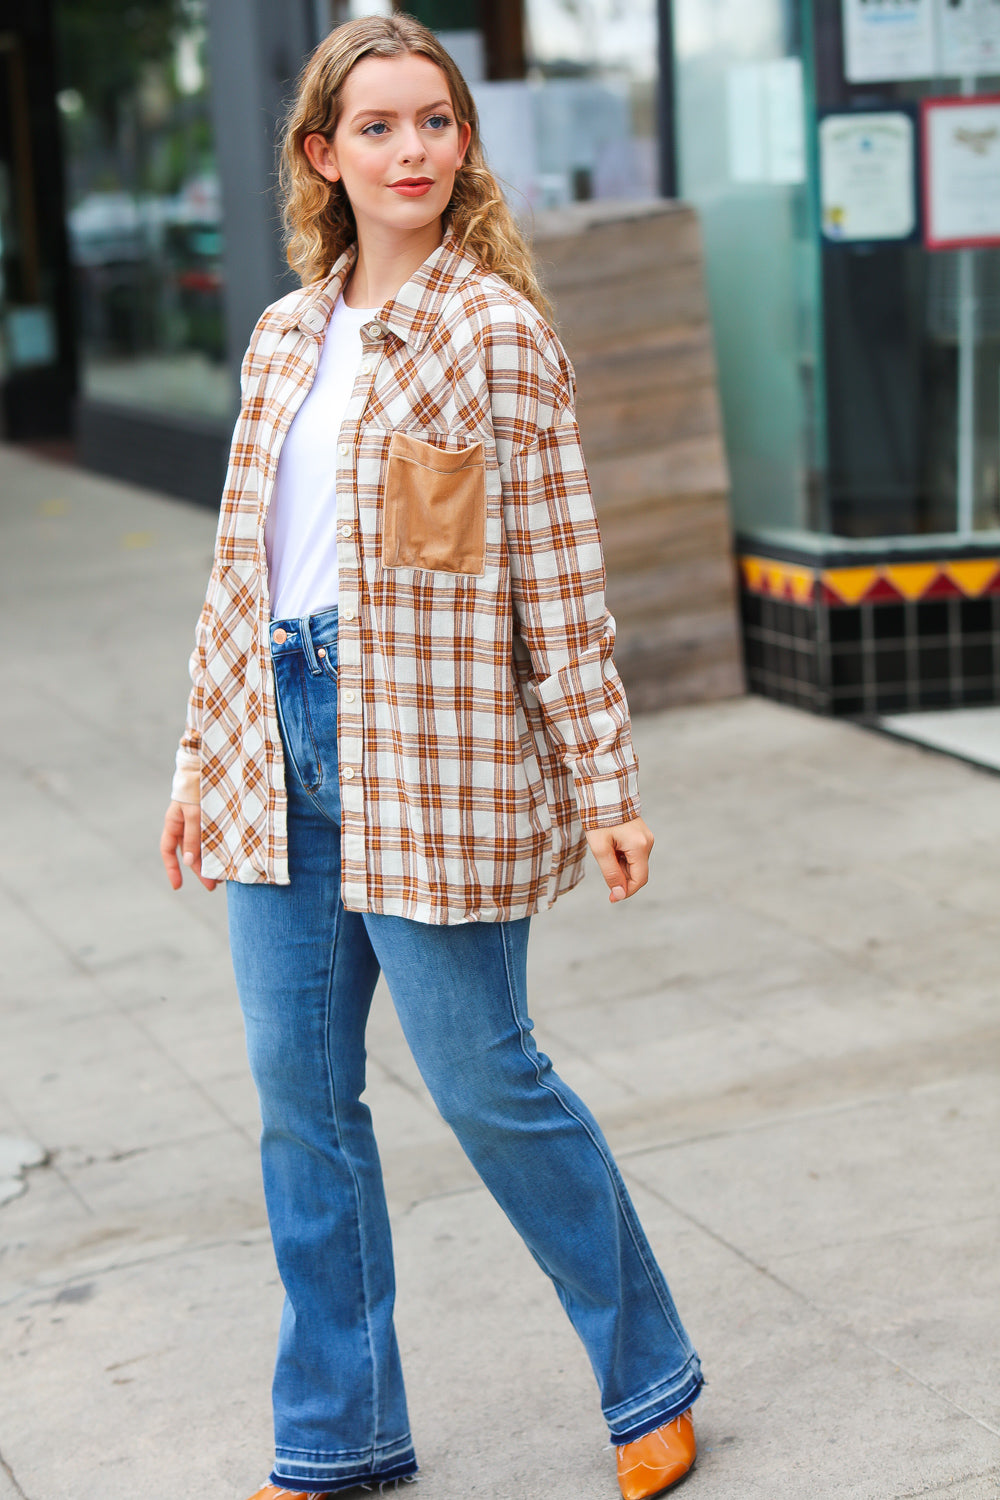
x,y
404,716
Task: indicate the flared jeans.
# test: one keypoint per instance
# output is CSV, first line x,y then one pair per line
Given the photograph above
x,y
306,970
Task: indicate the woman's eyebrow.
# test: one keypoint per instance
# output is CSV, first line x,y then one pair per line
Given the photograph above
x,y
393,114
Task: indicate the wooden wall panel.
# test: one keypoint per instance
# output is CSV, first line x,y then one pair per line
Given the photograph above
x,y
628,286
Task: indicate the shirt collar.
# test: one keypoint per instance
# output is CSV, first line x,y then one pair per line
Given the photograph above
x,y
411,314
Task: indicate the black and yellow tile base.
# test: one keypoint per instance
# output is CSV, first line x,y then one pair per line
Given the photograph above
x,y
843,634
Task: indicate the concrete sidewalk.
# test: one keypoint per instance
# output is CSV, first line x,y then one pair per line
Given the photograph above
x,y
792,1039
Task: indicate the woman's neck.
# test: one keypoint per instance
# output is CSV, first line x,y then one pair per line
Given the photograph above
x,y
386,262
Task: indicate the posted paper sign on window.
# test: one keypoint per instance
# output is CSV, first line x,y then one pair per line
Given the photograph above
x,y
961,172
888,39
867,178
765,120
970,37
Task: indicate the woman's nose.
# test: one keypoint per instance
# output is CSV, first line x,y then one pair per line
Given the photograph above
x,y
411,147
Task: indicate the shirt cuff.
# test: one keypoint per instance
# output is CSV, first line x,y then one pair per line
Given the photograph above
x,y
186,785
609,800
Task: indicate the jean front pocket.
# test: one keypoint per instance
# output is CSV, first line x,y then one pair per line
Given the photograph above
x,y
296,719
434,514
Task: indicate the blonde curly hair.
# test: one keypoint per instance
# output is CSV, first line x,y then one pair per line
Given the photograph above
x,y
319,221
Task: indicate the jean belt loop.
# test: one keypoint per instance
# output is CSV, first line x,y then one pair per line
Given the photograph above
x,y
308,648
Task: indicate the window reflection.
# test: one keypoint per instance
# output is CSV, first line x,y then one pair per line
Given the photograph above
x,y
583,123
144,213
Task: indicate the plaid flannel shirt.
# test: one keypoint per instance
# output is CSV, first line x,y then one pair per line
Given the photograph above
x,y
481,720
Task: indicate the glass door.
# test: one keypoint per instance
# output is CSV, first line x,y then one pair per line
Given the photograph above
x,y
742,101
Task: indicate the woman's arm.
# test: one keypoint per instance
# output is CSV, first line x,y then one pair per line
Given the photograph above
x,y
557,590
182,820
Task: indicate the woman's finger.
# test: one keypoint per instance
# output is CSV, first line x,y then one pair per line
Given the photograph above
x,y
192,842
173,833
603,848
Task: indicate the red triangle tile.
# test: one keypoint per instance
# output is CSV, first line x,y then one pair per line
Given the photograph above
x,y
882,592
943,587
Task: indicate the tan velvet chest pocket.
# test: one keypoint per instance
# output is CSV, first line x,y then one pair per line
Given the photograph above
x,y
434,514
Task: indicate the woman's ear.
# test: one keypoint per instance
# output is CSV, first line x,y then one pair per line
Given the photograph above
x,y
464,137
321,156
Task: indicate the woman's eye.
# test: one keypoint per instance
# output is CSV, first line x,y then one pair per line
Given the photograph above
x,y
439,122
377,127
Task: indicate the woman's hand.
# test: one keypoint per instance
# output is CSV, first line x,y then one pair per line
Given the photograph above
x,y
623,855
182,827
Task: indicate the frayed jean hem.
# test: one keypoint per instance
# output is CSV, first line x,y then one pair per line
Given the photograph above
x,y
632,1425
371,1474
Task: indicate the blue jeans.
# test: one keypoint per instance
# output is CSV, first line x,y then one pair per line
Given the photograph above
x,y
306,969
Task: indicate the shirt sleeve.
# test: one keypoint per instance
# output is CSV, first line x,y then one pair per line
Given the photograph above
x,y
186,786
557,585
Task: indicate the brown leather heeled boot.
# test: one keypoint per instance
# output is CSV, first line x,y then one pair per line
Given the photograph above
x,y
275,1492
653,1463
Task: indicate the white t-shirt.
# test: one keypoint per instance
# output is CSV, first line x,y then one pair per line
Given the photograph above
x,y
300,533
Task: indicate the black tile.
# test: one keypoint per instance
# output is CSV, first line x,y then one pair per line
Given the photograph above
x,y
767,608
934,663
892,703
888,621
844,703
750,608
847,669
934,697
978,692
805,625
977,661
805,666
975,616
844,624
890,666
932,618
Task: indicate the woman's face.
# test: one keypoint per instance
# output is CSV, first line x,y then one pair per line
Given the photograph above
x,y
397,145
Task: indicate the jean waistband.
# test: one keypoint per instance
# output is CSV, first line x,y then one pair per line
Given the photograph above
x,y
314,635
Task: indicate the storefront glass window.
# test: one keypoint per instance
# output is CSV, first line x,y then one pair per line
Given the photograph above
x,y
144,214
859,355
743,162
581,123
912,332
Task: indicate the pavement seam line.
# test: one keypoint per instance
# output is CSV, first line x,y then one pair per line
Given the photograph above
x,y
127,1014
6,1468
820,1312
950,1484
157,1257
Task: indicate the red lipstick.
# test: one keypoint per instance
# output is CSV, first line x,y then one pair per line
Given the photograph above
x,y
412,187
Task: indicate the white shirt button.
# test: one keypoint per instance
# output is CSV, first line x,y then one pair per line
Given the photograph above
x,y
366,367
343,450
348,773
376,331
346,530
349,696
347,614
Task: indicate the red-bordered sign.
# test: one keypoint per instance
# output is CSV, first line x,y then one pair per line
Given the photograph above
x,y
960,174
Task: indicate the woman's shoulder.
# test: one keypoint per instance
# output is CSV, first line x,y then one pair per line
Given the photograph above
x,y
505,319
282,314
529,375
501,305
